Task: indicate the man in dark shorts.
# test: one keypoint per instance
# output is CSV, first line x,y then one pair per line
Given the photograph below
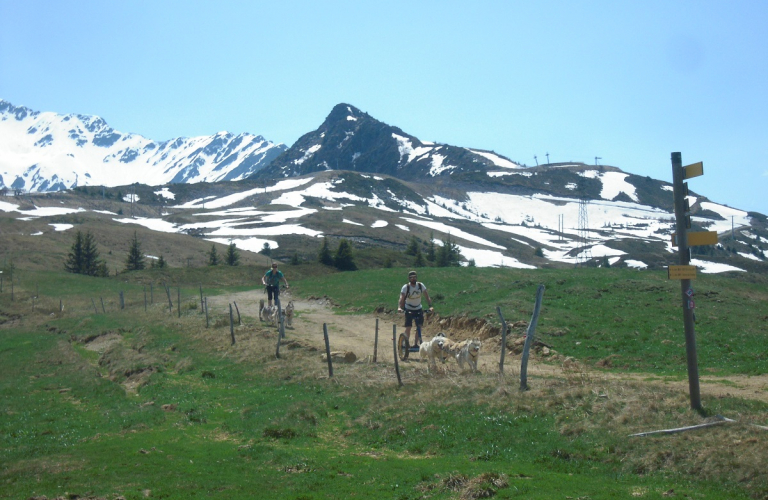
x,y
410,302
272,281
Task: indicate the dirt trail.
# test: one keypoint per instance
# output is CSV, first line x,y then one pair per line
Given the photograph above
x,y
355,332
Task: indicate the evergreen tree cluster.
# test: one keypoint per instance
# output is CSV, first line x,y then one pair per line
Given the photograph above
x,y
231,257
83,257
445,256
342,259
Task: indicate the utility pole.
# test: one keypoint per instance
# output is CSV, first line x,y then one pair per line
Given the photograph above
x,y
547,158
537,160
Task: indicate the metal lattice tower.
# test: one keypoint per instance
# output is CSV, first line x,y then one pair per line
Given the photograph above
x,y
586,254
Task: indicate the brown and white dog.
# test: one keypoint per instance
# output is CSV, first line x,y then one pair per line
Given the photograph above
x,y
469,352
289,314
466,351
267,313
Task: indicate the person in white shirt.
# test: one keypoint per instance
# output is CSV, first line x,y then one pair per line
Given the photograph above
x,y
410,302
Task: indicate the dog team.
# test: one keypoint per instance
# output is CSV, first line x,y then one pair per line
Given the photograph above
x,y
441,347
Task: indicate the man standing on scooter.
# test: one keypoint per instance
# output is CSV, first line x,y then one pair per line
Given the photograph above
x,y
410,301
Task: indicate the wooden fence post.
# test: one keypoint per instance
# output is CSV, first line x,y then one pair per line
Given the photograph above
x,y
376,341
201,298
328,350
168,293
61,306
231,324
151,293
103,309
503,340
529,339
178,301
277,349
206,312
145,298
394,350
237,309
122,300
96,311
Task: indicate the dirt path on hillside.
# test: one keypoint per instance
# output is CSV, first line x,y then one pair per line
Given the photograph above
x,y
356,333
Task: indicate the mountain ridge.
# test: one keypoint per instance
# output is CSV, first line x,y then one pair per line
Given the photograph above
x,y
45,151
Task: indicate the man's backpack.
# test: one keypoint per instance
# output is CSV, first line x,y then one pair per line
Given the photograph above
x,y
408,289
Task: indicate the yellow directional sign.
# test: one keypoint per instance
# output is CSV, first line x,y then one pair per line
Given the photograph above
x,y
693,170
698,238
681,272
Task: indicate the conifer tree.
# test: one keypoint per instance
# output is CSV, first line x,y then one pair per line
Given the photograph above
x,y
83,257
90,265
448,255
343,259
232,257
135,260
419,261
213,257
413,246
161,263
75,257
431,248
266,249
324,255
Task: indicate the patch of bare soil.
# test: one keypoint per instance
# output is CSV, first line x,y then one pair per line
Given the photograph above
x,y
357,333
103,342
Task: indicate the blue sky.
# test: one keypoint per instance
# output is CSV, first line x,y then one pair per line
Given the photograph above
x,y
627,81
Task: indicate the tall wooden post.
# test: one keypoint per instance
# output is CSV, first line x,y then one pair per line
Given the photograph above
x,y
178,301
376,341
503,340
328,350
231,324
529,339
680,191
206,312
394,350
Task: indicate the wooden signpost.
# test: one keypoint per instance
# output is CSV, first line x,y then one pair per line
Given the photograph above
x,y
686,272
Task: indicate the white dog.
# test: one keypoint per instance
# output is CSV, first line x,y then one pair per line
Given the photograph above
x,y
469,352
432,349
289,314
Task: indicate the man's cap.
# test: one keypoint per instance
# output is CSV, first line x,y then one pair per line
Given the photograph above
x,y
412,273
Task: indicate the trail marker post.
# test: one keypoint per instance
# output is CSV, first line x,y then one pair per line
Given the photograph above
x,y
685,272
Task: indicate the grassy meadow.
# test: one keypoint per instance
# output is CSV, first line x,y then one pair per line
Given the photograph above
x,y
168,408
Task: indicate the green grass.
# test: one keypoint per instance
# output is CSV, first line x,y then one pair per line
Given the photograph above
x,y
634,317
219,421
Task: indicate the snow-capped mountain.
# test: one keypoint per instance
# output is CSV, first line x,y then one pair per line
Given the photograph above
x,y
358,178
45,151
350,139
